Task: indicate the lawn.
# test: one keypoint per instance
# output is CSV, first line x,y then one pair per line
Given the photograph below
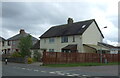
x,y
79,64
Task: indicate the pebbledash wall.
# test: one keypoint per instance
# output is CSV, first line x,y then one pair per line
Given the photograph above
x,y
57,45
90,36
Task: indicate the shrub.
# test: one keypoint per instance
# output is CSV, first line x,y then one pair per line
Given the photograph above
x,y
16,54
34,59
37,55
30,60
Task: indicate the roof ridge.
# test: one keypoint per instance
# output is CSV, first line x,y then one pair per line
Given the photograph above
x,y
74,22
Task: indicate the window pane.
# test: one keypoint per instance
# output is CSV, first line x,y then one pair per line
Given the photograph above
x,y
64,39
51,50
44,40
51,40
73,38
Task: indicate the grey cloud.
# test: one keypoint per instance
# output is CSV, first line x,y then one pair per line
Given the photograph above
x,y
34,17
13,9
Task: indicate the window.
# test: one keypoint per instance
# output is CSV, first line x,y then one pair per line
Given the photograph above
x,y
14,42
44,40
73,38
51,40
51,50
8,43
83,26
64,39
3,43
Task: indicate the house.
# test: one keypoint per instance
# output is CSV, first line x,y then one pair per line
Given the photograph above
x,y
36,47
2,40
4,47
80,36
14,41
110,48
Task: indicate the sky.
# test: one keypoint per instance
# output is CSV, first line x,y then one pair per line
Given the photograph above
x,y
37,17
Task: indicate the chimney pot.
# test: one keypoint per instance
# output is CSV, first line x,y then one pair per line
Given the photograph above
x,y
70,20
22,31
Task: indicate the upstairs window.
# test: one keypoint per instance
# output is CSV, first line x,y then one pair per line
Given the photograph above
x,y
44,40
51,40
14,42
8,43
3,43
73,38
64,39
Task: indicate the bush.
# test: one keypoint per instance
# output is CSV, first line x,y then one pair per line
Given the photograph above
x,y
16,54
34,59
30,60
37,55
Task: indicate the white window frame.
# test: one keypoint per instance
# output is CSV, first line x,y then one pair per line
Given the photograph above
x,y
51,40
64,39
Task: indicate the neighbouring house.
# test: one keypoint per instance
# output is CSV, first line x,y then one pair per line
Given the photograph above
x,y
80,36
4,46
14,41
110,48
36,47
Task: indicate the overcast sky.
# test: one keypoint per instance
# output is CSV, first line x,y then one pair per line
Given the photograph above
x,y
37,17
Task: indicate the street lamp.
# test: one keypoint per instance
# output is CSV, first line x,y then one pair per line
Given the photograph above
x,y
101,58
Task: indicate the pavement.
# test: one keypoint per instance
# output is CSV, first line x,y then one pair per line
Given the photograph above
x,y
17,69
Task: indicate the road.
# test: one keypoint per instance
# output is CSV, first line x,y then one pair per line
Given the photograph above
x,y
16,69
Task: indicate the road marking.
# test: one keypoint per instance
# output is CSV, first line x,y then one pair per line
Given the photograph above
x,y
23,68
29,69
43,71
52,72
75,74
84,75
36,70
69,75
57,71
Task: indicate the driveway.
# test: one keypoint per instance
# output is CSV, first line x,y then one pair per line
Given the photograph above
x,y
16,69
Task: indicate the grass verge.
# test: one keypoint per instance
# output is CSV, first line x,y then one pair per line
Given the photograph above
x,y
79,64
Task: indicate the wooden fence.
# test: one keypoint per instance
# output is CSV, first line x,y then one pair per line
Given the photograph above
x,y
62,58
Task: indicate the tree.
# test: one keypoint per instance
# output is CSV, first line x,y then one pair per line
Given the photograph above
x,y
24,45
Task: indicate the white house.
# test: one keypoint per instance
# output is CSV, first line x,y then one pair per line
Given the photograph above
x,y
110,48
14,40
4,46
80,36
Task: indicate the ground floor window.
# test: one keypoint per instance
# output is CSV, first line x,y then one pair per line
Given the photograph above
x,y
51,50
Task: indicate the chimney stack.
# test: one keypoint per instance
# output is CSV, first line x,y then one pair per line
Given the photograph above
x,y
22,31
70,21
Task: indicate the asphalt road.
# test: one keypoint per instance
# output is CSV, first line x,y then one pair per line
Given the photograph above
x,y
16,69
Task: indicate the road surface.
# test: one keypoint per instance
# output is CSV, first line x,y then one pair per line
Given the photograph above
x,y
16,69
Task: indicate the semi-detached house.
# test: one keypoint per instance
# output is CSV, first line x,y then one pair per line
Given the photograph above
x,y
14,41
80,36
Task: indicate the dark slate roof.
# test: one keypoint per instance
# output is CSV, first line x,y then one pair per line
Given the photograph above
x,y
69,29
2,39
36,45
18,36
